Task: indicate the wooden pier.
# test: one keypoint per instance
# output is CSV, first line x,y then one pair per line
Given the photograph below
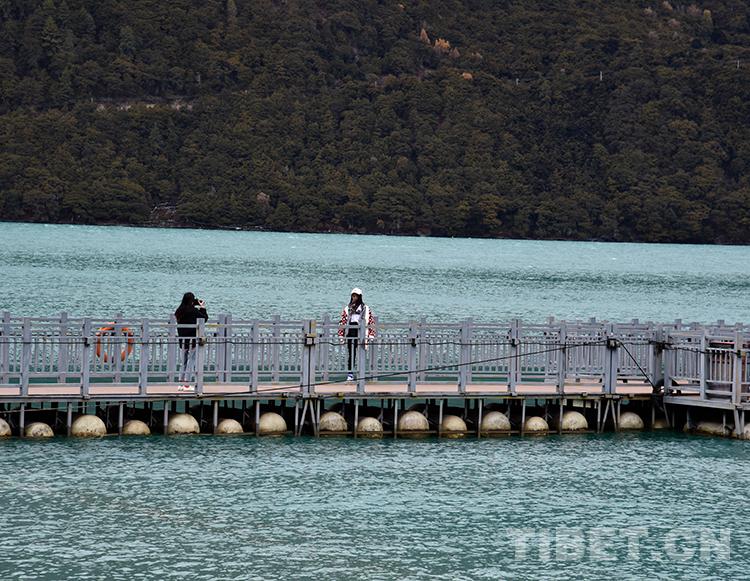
x,y
678,371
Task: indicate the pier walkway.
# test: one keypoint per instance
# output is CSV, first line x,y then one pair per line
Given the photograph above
x,y
67,359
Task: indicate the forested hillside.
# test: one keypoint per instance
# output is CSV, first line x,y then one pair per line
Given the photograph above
x,y
593,119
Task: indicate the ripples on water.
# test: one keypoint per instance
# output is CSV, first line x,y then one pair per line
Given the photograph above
x,y
281,508
89,270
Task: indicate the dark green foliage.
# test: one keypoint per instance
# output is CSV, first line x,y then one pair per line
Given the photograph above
x,y
441,117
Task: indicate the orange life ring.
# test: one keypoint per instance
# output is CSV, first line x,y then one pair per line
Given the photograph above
x,y
110,331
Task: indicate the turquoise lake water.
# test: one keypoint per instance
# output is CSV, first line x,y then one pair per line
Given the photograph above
x,y
104,270
611,506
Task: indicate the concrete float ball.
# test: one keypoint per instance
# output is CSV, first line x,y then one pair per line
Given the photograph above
x,y
746,432
660,424
630,421
495,421
229,426
88,426
38,430
573,421
182,424
4,429
413,422
136,428
271,423
370,428
453,427
535,424
333,422
712,429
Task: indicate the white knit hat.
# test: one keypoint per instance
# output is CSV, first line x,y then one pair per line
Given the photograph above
x,y
356,291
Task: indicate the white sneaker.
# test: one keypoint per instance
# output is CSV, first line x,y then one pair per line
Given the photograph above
x,y
350,377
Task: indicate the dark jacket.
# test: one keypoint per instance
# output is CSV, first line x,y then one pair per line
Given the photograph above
x,y
188,316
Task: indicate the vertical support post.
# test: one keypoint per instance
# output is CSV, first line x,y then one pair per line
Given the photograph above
x,y
562,358
412,360
145,352
276,349
165,416
86,358
464,371
5,349
514,365
356,416
324,352
215,418
479,417
200,356
172,350
22,421
121,346
296,417
120,417
307,375
703,365
221,349
599,416
667,355
737,371
395,419
361,356
257,417
254,350
69,418
62,349
423,355
440,418
523,416
611,360
25,355
317,418
560,416
656,353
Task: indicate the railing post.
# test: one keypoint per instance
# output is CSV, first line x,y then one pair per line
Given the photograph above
x,y
464,369
62,349
200,356
361,356
514,364
254,349
86,358
562,358
666,356
172,350
656,352
221,348
423,356
324,348
144,358
611,359
412,361
5,349
703,365
276,349
25,355
118,351
737,371
228,337
307,377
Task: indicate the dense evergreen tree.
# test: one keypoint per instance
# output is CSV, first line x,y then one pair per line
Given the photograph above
x,y
614,120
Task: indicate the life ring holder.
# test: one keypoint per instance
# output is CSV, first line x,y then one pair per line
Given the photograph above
x,y
110,330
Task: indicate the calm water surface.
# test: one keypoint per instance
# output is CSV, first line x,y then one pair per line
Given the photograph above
x,y
103,270
239,508
245,508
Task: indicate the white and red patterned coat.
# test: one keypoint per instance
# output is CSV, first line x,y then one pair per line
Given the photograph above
x,y
366,316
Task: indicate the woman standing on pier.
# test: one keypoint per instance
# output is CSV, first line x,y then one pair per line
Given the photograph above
x,y
356,313
188,313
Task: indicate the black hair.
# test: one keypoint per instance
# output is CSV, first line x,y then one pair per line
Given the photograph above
x,y
188,302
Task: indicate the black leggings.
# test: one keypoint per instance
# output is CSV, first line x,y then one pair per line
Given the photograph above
x,y
352,341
